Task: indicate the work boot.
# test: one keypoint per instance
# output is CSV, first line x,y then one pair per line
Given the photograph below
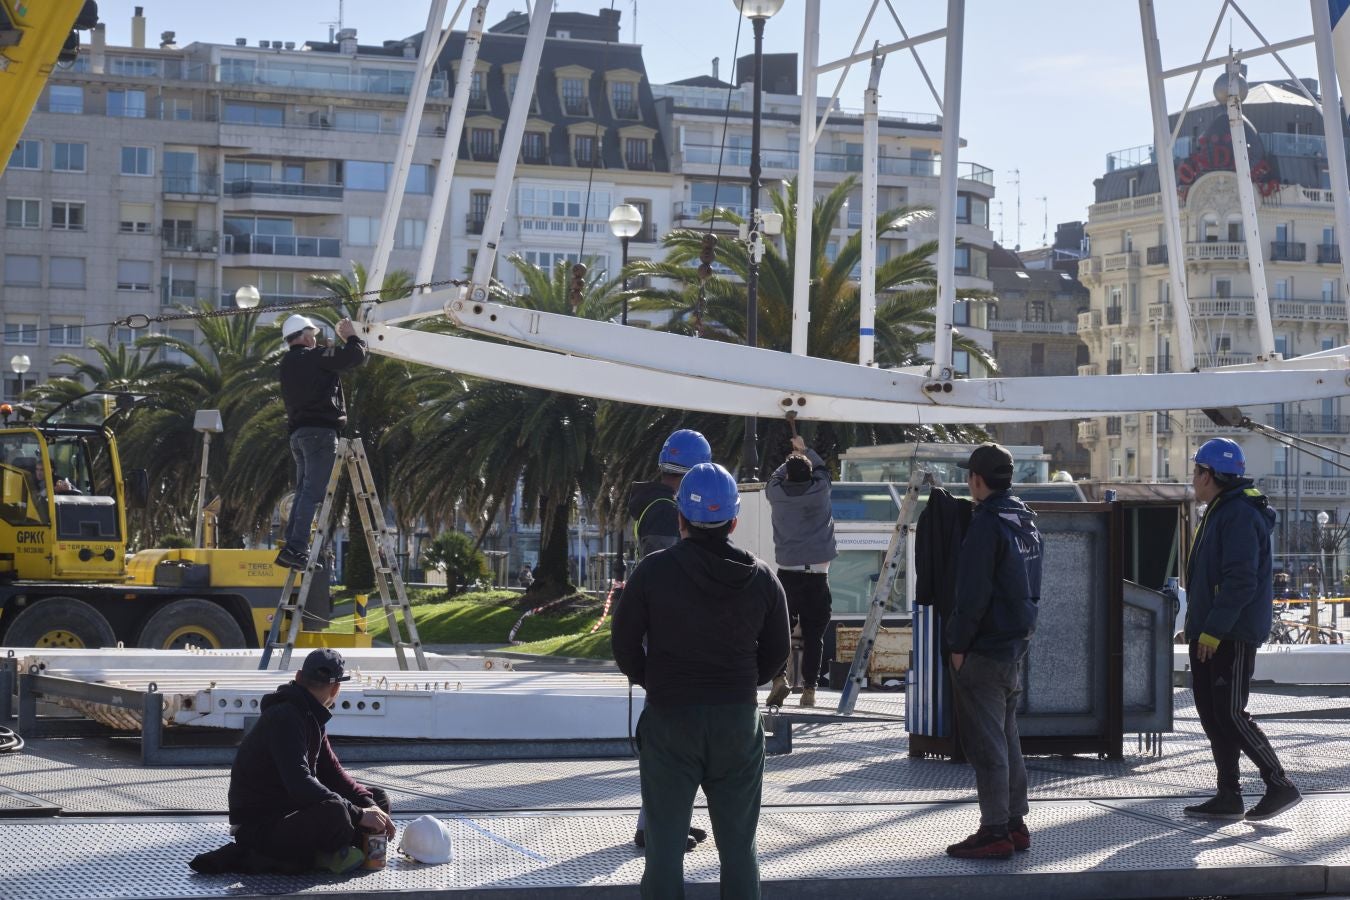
x,y
1278,799
808,697
990,842
291,559
339,862
779,692
1226,804
1018,834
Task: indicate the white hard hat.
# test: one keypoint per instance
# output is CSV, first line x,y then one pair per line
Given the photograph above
x,y
427,840
296,323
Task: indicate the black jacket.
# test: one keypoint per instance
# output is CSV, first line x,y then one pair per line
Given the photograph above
x,y
1228,581
998,581
285,762
937,549
656,523
310,386
715,622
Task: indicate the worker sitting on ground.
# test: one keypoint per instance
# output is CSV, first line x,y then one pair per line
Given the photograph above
x,y
290,799
803,544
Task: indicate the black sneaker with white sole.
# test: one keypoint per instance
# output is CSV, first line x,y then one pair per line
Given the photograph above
x,y
1225,805
290,559
1278,799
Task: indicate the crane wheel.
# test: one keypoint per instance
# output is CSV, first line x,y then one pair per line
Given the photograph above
x,y
60,622
194,621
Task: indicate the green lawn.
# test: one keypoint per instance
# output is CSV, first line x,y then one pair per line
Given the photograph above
x,y
486,618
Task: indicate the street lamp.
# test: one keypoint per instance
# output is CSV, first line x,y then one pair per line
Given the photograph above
x,y
1322,519
625,221
208,422
758,12
247,297
19,363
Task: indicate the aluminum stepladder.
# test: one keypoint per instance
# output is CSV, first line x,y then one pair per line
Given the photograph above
x,y
351,456
890,570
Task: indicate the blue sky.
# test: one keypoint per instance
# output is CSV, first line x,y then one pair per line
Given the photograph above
x,y
1050,87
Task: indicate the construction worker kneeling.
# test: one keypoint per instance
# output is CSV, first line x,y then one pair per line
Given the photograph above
x,y
714,620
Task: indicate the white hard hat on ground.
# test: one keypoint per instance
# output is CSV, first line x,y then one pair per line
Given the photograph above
x,y
427,840
296,323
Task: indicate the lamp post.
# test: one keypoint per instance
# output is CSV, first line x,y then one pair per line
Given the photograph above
x,y
758,12
208,422
19,364
1322,519
625,221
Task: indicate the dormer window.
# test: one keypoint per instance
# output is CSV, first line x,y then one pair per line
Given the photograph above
x,y
574,83
512,72
623,98
534,143
478,90
636,141
482,132
584,149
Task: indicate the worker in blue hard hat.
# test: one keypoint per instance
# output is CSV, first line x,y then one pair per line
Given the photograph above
x,y
1229,589
702,624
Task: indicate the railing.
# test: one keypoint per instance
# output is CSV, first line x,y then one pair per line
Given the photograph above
x,y
1309,311
1304,485
200,183
333,81
1216,250
1309,423
923,166
1026,326
627,111
1124,206
473,222
893,117
283,245
692,209
1329,253
1199,423
1115,366
1285,144
1089,369
1114,315
1214,360
560,225
190,240
576,106
484,154
320,122
1113,261
1288,251
1222,307
1088,432
1156,255
478,101
1089,320
1159,312
242,187
1089,266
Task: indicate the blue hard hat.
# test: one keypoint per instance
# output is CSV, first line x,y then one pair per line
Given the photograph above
x,y
683,450
708,496
1222,456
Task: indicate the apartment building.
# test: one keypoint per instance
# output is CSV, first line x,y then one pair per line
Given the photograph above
x,y
1129,325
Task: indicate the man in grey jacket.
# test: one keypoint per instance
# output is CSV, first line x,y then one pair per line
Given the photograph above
x,y
803,544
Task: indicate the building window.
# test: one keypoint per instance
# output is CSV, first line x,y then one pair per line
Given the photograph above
x,y
65,98
133,275
1329,292
360,175
65,272
534,147
362,231
410,234
1223,287
583,149
1283,288
961,361
126,104
972,210
138,161
67,215
477,90
235,113
23,213
134,218
574,97
512,82
637,153
623,94
23,271
483,144
18,385
134,66
478,209
68,157
26,155
66,334
1036,311
20,331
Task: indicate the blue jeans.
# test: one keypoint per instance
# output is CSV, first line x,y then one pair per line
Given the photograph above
x,y
314,451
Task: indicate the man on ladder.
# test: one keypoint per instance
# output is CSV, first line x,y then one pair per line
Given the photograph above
x,y
315,412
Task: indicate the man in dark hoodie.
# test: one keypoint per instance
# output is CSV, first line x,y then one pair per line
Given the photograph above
x,y
803,545
1229,592
998,589
290,799
315,414
702,624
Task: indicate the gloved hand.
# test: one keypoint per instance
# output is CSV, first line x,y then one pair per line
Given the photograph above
x,y
1205,647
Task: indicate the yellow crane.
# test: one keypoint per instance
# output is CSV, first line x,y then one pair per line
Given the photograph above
x,y
34,36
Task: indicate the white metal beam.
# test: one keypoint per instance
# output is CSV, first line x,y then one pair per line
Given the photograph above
x,y
1251,226
1333,124
946,224
806,183
867,286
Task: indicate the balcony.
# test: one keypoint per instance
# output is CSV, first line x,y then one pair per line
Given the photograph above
x,y
1329,254
1089,320
1115,315
1089,266
1309,311
249,187
282,245
1309,423
1114,367
576,106
473,222
1198,251
193,184
627,111
1026,326
1222,307
1126,206
1089,432
1089,369
1304,485
1215,360
1159,312
1156,255
1285,251
1112,262
1199,423
189,241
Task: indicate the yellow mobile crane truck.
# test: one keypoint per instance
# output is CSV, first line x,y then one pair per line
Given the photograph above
x,y
65,577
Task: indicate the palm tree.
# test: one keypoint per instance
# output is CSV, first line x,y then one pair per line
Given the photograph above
x,y
477,440
906,289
